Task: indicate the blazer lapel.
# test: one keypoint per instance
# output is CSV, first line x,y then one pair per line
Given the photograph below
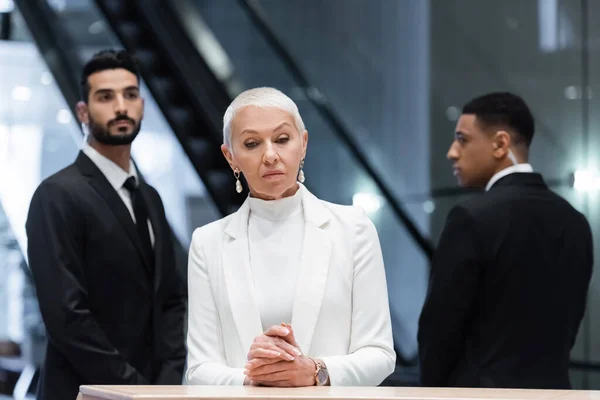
x,y
312,277
239,280
115,203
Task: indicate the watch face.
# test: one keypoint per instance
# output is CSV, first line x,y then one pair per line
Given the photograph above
x,y
322,376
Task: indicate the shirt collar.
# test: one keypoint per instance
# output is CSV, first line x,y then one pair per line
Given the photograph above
x,y
525,167
115,175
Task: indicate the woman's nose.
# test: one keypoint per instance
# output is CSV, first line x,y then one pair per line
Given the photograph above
x,y
270,155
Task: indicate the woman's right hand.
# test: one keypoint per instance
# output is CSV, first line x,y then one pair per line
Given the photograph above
x,y
273,347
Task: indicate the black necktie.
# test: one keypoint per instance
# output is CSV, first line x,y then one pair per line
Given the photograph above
x,y
140,210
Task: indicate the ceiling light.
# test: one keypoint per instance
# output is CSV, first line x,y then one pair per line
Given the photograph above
x,y
369,202
46,78
429,206
452,113
21,93
6,6
63,116
586,180
96,27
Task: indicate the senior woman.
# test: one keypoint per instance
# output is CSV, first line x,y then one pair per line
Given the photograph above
x,y
289,290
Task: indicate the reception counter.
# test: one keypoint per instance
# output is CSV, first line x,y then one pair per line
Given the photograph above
x,y
325,393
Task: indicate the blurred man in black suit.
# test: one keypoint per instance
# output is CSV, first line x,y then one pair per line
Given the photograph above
x,y
101,253
510,277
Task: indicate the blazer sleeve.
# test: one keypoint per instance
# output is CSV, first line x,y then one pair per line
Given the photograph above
x,y
371,356
452,288
55,231
206,352
173,311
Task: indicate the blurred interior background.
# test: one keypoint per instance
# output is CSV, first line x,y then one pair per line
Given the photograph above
x,y
379,83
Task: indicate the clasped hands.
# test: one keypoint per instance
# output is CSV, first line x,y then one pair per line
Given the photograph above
x,y
275,359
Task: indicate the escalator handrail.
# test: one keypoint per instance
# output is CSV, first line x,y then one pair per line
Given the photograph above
x,y
258,16
186,62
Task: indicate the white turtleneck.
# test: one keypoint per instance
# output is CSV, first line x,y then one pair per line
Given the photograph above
x,y
275,235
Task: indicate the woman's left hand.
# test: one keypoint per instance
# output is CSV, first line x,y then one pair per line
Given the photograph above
x,y
300,372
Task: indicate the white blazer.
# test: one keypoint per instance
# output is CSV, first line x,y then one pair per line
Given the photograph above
x,y
340,314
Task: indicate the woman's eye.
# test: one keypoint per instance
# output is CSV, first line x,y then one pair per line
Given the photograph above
x,y
250,144
283,140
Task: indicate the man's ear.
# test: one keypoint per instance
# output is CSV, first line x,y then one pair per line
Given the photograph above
x,y
502,143
82,112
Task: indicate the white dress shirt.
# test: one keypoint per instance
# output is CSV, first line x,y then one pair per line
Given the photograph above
x,y
275,236
520,168
116,176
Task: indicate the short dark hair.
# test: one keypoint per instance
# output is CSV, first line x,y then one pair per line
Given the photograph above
x,y
503,110
103,60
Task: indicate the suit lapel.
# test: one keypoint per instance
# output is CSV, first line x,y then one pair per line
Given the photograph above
x,y
99,182
238,278
312,277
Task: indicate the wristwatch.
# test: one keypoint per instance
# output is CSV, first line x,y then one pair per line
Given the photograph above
x,y
321,373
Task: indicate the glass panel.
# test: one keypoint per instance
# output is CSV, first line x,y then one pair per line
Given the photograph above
x,y
37,133
37,138
591,144
371,61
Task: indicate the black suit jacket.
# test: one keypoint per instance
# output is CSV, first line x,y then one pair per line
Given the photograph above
x,y
111,317
507,290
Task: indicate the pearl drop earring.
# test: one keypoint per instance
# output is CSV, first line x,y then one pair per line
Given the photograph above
x,y
301,177
238,184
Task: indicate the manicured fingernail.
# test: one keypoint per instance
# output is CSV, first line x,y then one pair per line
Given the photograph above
x,y
289,357
298,352
286,331
248,366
